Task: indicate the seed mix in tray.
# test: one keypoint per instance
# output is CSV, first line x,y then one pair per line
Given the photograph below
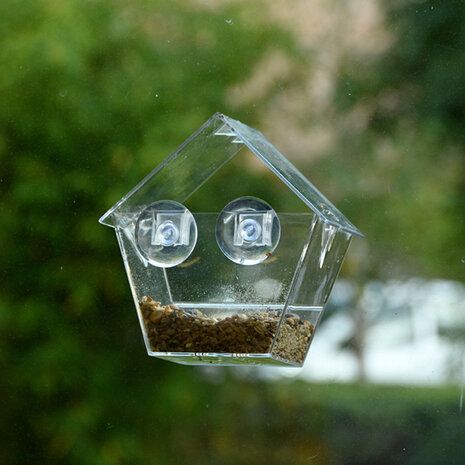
x,y
172,329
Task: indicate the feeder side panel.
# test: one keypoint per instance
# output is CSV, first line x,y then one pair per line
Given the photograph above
x,y
320,267
144,281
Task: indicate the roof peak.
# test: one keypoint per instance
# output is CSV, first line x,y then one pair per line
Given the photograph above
x,y
203,154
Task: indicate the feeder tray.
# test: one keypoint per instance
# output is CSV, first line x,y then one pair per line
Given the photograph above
x,y
246,285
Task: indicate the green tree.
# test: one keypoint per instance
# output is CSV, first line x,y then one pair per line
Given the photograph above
x,y
408,156
94,95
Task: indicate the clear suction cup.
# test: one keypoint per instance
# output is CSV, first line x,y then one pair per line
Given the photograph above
x,y
166,233
248,230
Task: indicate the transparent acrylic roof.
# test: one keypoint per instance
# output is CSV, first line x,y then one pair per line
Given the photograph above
x,y
206,151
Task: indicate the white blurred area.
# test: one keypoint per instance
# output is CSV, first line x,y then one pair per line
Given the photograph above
x,y
408,332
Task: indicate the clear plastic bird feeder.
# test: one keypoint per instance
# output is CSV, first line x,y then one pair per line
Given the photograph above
x,y
246,285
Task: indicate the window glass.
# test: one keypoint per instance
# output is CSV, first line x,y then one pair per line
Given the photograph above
x,y
365,98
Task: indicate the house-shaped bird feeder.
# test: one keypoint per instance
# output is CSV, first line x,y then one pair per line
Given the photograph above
x,y
246,285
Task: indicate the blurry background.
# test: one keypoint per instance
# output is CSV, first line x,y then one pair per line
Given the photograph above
x,y
366,97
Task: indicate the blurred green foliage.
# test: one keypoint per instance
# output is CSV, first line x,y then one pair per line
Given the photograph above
x,y
93,95
409,189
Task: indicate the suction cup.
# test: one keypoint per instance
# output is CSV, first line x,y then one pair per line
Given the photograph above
x,y
166,233
248,230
